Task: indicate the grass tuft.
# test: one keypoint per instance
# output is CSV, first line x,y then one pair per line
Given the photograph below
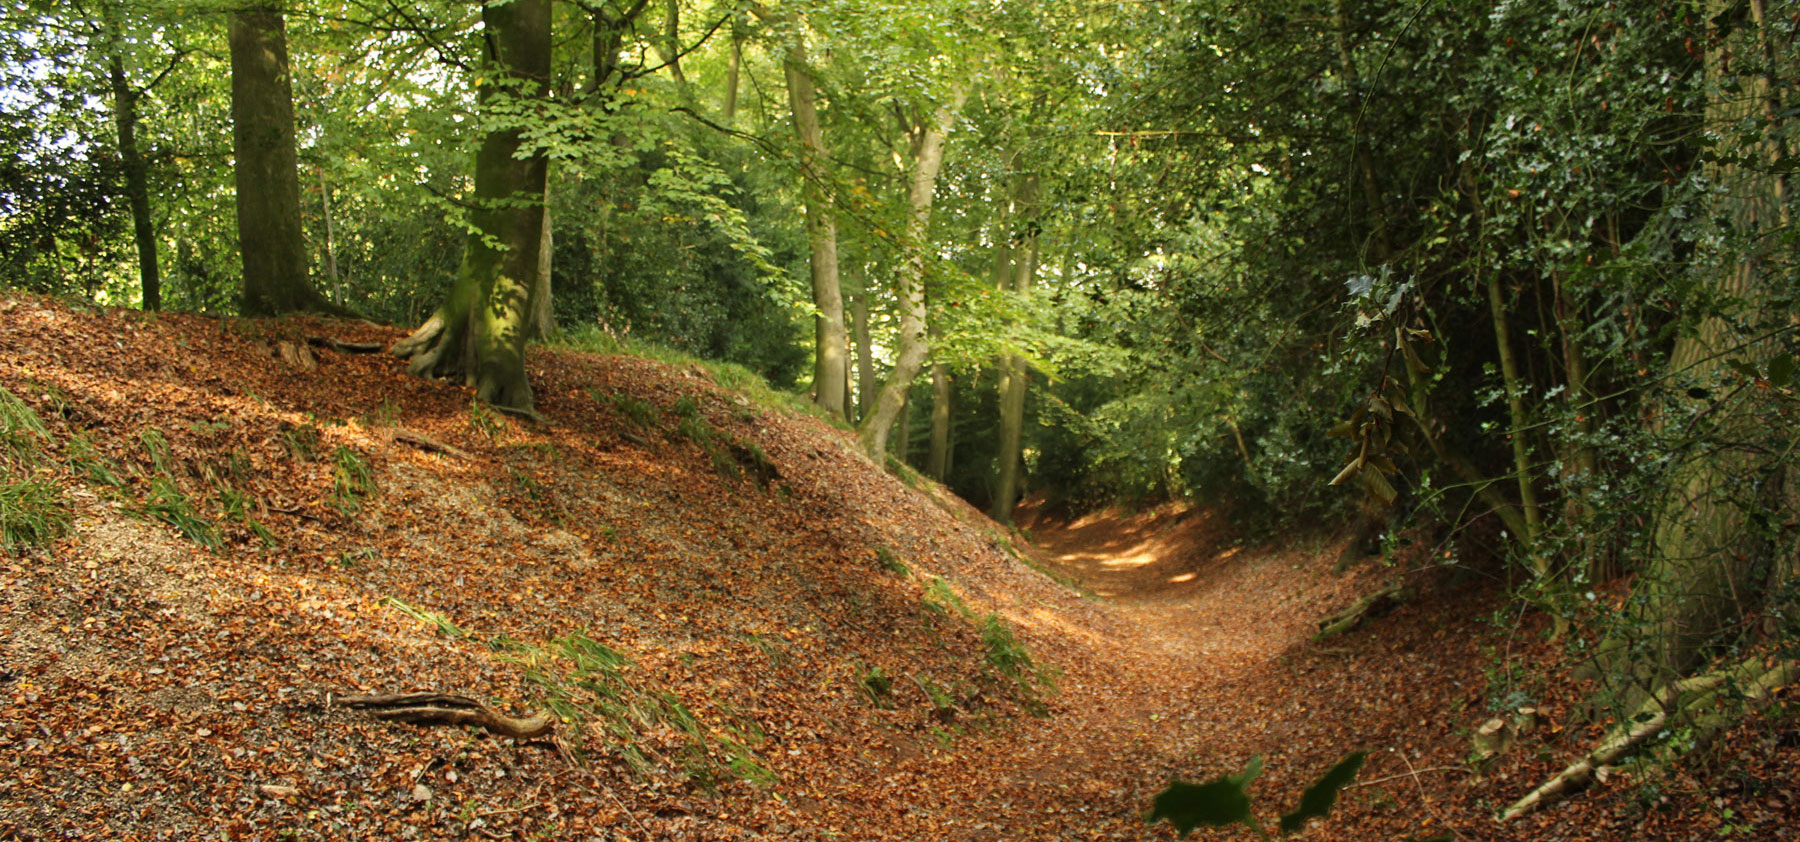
x,y
353,479
22,433
32,514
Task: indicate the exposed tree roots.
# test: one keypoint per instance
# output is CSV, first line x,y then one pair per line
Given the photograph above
x,y
442,709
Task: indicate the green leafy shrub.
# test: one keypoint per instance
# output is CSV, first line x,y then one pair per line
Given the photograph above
x,y
1223,801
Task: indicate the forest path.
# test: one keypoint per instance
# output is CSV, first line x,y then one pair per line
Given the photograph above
x,y
1180,660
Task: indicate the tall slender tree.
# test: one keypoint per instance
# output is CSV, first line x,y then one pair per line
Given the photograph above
x,y
928,138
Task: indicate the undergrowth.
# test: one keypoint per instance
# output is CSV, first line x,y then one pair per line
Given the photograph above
x,y
589,686
32,514
353,480
731,376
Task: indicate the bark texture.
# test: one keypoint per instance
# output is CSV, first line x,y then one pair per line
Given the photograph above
x,y
268,178
909,285
478,336
137,179
1018,374
830,358
1707,571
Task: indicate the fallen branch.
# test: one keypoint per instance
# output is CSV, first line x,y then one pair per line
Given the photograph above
x,y
343,347
443,709
427,443
1675,702
1371,605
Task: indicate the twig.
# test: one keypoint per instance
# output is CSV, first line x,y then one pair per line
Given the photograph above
x,y
1423,798
343,347
425,442
1411,774
444,709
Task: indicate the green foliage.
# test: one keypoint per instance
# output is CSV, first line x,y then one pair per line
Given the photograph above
x,y
1318,799
484,420
638,411
435,619
1218,803
875,684
943,599
890,561
156,449
301,442
588,685
32,514
1225,800
1007,656
239,507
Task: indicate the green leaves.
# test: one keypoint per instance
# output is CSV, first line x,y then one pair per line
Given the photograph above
x,y
1316,802
1224,801
1217,803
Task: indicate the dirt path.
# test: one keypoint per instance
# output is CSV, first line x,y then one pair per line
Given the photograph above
x,y
1171,667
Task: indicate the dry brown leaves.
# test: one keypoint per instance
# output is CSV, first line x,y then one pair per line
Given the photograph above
x,y
153,689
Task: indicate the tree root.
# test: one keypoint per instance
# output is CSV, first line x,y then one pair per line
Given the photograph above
x,y
343,347
443,709
1692,700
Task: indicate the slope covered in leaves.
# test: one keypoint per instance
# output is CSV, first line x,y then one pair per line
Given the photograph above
x,y
745,630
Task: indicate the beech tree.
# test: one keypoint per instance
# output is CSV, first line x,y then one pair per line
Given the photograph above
x,y
478,336
270,238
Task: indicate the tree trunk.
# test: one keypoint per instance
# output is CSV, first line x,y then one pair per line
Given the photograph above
x,y
1581,461
478,336
903,441
865,350
830,357
270,238
1365,160
137,178
543,314
331,268
671,48
937,457
733,72
1702,574
1012,397
909,286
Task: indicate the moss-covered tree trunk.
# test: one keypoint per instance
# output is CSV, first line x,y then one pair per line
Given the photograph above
x,y
270,238
1018,374
830,356
478,336
1708,571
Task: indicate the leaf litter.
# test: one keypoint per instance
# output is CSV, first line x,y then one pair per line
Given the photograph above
x,y
733,654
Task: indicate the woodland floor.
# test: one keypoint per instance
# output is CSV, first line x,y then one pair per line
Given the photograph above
x,y
750,631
